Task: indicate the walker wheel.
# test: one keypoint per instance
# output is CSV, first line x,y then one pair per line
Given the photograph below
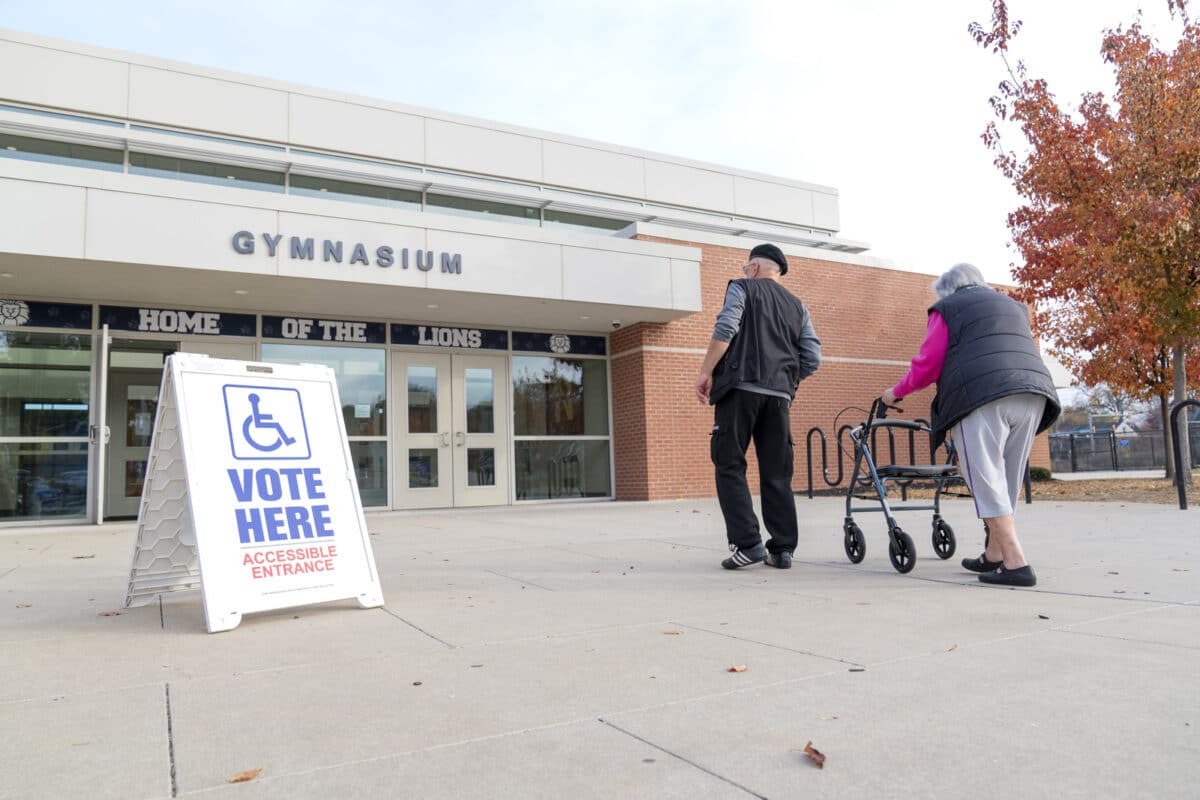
x,y
944,543
855,543
902,551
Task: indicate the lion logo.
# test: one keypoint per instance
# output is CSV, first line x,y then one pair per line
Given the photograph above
x,y
13,312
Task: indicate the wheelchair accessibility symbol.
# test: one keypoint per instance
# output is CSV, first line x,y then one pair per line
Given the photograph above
x,y
265,422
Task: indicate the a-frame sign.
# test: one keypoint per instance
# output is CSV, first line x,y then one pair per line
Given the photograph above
x,y
250,493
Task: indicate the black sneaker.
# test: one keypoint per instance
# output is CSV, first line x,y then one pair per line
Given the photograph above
x,y
981,564
781,560
1021,576
744,557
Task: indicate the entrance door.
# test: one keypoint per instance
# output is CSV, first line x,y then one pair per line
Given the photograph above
x,y
450,430
134,377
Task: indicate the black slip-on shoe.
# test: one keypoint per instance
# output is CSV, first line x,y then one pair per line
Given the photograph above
x,y
1021,576
744,557
981,564
780,560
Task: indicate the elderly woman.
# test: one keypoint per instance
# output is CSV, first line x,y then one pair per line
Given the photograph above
x,y
994,395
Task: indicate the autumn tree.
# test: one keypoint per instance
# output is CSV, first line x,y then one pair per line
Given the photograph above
x,y
1109,226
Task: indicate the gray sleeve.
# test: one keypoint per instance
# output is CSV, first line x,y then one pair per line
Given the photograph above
x,y
729,319
809,347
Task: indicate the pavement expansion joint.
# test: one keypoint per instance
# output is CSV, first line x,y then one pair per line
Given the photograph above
x,y
418,628
171,742
683,759
769,644
521,581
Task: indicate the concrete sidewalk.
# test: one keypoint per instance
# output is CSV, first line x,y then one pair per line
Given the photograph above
x,y
583,651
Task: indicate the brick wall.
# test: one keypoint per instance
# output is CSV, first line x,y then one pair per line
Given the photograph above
x,y
870,321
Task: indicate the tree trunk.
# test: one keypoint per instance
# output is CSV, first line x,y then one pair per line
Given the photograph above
x,y
1179,357
1164,401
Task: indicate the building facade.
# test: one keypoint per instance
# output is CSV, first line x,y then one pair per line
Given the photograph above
x,y
512,315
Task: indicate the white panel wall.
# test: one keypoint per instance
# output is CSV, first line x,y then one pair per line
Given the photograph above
x,y
209,104
602,276
685,285
600,170
678,184
773,201
493,265
142,229
350,232
40,75
825,211
492,152
354,128
41,218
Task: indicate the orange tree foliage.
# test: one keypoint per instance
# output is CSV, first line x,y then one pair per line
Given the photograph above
x,y
1110,223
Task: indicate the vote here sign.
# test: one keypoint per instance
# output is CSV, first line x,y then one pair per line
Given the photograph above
x,y
270,484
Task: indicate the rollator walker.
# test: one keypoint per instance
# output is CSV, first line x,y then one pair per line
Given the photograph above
x,y
901,550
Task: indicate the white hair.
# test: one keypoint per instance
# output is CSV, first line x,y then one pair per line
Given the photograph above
x,y
957,277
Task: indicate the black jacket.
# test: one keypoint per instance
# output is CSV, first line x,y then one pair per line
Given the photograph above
x,y
775,346
991,354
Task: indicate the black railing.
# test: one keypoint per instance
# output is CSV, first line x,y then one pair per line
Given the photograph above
x,y
1182,474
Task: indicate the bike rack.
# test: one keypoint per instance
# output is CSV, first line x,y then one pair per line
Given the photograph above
x,y
1180,468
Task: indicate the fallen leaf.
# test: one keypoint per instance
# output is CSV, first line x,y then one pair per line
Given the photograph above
x,y
695,511
109,614
738,668
247,775
90,555
24,605
951,648
858,669
1113,573
1042,616
1177,569
1119,591
814,755
672,632
829,717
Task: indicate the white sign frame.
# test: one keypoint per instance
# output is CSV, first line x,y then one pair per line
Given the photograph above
x,y
229,508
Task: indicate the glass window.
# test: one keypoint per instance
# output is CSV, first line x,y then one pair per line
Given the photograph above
x,y
423,468
549,470
361,381
45,383
43,479
480,401
422,400
359,192
370,468
74,155
559,396
205,172
482,208
481,466
208,138
582,222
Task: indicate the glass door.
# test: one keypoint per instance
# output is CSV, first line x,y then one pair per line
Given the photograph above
x,y
480,402
422,432
134,377
450,429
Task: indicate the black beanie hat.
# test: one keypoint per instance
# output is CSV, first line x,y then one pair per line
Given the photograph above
x,y
770,251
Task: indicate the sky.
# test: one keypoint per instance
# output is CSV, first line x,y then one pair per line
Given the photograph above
x,y
883,100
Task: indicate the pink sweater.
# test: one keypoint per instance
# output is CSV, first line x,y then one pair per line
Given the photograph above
x,y
927,364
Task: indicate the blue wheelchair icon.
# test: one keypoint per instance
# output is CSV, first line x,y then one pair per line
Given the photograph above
x,y
261,421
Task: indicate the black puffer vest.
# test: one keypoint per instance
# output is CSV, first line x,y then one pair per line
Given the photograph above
x,y
991,354
765,350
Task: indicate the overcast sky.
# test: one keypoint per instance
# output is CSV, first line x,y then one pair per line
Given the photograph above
x,y
883,100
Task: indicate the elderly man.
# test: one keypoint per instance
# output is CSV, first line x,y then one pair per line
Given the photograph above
x,y
762,346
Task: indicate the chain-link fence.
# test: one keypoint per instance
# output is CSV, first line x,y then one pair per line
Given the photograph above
x,y
1089,452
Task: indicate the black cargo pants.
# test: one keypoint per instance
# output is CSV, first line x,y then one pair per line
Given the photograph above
x,y
740,418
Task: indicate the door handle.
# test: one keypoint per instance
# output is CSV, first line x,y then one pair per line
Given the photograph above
x,y
460,439
445,439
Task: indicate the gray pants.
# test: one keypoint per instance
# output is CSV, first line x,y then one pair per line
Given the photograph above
x,y
993,444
